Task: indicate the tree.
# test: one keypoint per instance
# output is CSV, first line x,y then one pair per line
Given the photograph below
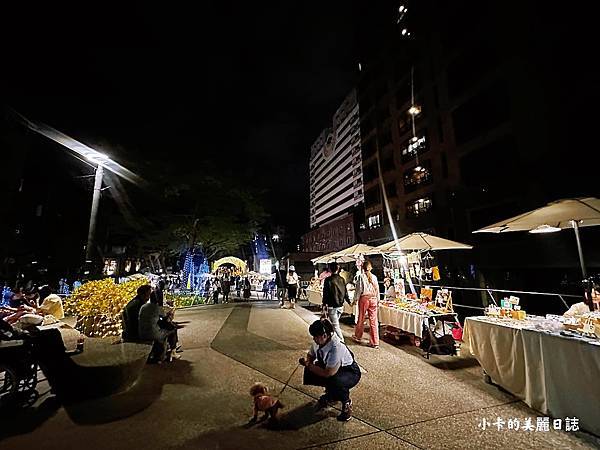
x,y
215,215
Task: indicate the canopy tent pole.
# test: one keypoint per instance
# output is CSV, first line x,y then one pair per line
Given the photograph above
x,y
579,250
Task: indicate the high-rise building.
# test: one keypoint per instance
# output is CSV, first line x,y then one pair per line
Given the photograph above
x,y
336,166
336,186
498,126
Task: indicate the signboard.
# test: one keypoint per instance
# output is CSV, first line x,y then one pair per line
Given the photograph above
x,y
265,266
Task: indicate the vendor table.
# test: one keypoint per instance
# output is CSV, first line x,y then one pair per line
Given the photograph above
x,y
552,373
408,321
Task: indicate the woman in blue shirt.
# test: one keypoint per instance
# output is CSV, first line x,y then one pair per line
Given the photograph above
x,y
329,363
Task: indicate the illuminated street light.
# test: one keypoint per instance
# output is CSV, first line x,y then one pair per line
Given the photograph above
x,y
99,161
414,110
544,229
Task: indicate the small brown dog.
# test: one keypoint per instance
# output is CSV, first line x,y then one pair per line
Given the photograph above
x,y
264,402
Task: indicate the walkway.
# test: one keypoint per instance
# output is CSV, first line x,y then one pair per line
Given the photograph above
x,y
202,400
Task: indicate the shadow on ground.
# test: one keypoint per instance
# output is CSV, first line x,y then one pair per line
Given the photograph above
x,y
18,420
21,420
261,435
139,397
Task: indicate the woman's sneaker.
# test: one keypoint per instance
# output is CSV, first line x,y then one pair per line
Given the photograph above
x,y
346,413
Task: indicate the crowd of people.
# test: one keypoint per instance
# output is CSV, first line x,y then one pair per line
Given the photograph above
x,y
282,285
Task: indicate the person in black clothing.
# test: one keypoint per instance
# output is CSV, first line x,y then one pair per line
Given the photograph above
x,y
132,311
334,296
247,288
280,281
158,293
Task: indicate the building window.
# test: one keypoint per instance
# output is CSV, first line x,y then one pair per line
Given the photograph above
x,y
374,221
414,146
418,207
417,177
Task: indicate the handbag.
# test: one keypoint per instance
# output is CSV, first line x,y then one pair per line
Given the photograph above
x,y
457,331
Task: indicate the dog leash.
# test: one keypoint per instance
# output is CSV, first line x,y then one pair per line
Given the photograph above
x,y
288,380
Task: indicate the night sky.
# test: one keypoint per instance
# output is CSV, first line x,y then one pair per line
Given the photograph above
x,y
248,85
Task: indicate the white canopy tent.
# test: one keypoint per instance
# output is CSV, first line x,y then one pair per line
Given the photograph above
x,y
324,259
568,213
421,242
355,251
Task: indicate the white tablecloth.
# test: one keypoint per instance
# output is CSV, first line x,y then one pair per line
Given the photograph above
x,y
555,375
403,320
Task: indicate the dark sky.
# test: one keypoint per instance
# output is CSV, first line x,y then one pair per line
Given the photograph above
x,y
247,84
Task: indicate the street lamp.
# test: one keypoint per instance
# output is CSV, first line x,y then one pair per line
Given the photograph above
x,y
93,158
94,211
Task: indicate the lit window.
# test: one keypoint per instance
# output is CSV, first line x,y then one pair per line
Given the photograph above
x,y
418,207
374,221
418,176
413,146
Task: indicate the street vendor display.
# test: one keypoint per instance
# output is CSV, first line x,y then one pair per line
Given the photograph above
x,y
409,315
552,363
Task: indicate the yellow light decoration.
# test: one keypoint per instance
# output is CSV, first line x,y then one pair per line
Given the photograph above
x,y
98,305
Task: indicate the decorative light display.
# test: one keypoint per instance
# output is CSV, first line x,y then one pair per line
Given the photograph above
x,y
195,266
98,305
6,295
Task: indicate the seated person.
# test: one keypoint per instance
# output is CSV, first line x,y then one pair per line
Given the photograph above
x,y
51,304
150,330
22,303
131,313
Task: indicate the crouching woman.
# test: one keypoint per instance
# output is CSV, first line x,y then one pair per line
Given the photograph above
x,y
329,363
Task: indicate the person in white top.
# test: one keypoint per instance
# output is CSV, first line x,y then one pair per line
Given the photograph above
x,y
292,286
367,296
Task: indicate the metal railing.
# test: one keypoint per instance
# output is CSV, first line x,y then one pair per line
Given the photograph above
x,y
490,292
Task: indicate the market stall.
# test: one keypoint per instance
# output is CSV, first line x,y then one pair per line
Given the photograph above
x,y
552,363
353,253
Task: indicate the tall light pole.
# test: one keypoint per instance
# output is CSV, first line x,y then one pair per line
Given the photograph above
x,y
89,248
93,158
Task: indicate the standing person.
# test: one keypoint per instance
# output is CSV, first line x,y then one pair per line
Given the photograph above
x,y
367,296
238,286
292,286
158,292
347,276
216,290
132,311
280,281
329,363
272,288
265,289
226,288
334,296
247,288
207,288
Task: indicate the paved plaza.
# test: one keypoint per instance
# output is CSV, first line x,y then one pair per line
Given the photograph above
x,y
202,401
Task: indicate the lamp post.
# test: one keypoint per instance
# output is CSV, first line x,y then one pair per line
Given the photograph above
x,y
94,213
94,158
